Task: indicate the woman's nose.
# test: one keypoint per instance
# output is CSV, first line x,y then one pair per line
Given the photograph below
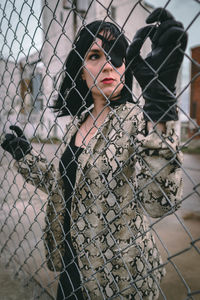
x,y
107,65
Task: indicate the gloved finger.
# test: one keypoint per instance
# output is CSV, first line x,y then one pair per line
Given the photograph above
x,y
139,39
17,130
6,141
9,137
172,36
145,32
19,148
164,29
159,15
133,57
134,49
5,145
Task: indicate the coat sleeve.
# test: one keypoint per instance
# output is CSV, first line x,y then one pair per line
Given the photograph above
x,y
159,176
37,171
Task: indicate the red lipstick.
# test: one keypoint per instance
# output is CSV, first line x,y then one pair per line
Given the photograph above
x,y
108,80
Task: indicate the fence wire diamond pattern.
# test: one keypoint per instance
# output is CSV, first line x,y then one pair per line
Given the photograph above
x,y
35,39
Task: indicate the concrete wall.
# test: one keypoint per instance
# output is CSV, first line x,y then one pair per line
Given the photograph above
x,y
9,92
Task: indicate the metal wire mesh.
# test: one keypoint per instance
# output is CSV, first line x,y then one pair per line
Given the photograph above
x,y
35,40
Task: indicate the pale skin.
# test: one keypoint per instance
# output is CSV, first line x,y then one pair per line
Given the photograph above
x,y
105,82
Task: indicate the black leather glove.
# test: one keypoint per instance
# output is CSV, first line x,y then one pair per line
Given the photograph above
x,y
18,146
157,73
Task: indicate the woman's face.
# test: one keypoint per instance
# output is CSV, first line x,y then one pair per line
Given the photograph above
x,y
101,77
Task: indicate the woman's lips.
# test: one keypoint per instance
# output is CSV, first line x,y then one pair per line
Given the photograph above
x,y
108,80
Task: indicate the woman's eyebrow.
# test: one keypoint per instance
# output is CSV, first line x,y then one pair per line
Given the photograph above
x,y
94,50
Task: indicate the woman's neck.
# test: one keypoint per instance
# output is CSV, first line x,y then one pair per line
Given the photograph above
x,y
100,109
93,121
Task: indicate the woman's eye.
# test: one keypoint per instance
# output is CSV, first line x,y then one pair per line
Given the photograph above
x,y
94,56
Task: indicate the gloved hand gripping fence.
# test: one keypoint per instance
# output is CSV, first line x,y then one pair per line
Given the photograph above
x,y
157,73
18,146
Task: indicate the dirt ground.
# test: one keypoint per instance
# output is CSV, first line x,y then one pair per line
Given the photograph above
x,y
178,238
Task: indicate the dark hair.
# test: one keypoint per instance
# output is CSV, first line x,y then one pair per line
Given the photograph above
x,y
74,95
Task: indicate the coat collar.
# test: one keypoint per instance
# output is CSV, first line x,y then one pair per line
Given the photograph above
x,y
74,123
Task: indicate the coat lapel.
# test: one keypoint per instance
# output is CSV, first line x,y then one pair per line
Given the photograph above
x,y
89,150
86,154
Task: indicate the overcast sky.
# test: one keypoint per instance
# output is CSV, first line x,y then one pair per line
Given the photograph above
x,y
20,32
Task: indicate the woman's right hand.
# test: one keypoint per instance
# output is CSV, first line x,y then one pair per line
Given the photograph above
x,y
16,144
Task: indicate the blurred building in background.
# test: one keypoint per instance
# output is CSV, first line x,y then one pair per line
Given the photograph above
x,y
195,90
10,91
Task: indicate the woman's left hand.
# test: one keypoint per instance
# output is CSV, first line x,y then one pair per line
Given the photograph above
x,y
157,73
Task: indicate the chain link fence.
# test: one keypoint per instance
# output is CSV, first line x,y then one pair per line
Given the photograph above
x,y
36,38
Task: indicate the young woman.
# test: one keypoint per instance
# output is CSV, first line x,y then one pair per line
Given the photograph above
x,y
119,163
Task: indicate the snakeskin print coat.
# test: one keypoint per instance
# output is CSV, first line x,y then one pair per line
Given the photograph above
x,y
123,176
